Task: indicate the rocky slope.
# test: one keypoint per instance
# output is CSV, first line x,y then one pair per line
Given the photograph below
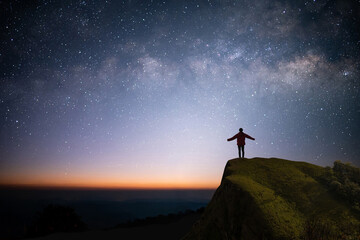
x,y
275,199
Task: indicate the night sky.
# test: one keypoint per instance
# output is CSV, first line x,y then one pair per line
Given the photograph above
x,y
134,94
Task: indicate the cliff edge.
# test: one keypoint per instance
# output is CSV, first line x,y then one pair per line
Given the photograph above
x,y
275,199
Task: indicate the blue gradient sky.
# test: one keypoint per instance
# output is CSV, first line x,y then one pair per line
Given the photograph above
x,y
133,94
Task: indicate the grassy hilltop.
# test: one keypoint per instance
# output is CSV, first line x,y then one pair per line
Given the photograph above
x,y
277,199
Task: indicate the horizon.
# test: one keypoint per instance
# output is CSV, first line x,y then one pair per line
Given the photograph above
x,y
75,187
150,187
145,94
116,186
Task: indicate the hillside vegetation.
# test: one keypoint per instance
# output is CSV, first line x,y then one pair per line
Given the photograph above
x,y
280,199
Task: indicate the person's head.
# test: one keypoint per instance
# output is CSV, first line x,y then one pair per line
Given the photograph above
x,y
240,130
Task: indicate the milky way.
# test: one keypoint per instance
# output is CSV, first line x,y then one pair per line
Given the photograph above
x,y
132,91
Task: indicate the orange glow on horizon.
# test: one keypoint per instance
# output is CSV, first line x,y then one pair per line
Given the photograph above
x,y
108,182
154,185
110,179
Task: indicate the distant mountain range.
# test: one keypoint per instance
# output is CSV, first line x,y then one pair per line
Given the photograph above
x,y
98,209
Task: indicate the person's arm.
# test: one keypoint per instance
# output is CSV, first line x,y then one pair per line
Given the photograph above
x,y
234,137
247,136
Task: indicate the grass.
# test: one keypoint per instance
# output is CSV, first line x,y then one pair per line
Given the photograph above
x,y
289,194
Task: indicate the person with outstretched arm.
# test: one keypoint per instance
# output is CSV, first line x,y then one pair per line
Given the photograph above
x,y
241,141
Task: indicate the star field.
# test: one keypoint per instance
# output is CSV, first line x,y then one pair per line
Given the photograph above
x,y
129,92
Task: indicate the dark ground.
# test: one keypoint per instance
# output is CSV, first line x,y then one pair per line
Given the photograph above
x,y
100,209
174,230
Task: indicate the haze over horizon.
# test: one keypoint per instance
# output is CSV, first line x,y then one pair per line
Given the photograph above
x,y
144,94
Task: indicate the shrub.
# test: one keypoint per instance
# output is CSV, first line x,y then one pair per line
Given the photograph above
x,y
344,180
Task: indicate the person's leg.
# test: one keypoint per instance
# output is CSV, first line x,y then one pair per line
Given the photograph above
x,y
243,151
239,150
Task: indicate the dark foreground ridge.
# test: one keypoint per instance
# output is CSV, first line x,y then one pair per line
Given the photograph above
x,y
279,199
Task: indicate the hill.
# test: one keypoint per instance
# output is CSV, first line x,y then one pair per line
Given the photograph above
x,y
276,199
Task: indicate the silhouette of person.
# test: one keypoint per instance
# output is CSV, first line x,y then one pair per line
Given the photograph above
x,y
241,141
